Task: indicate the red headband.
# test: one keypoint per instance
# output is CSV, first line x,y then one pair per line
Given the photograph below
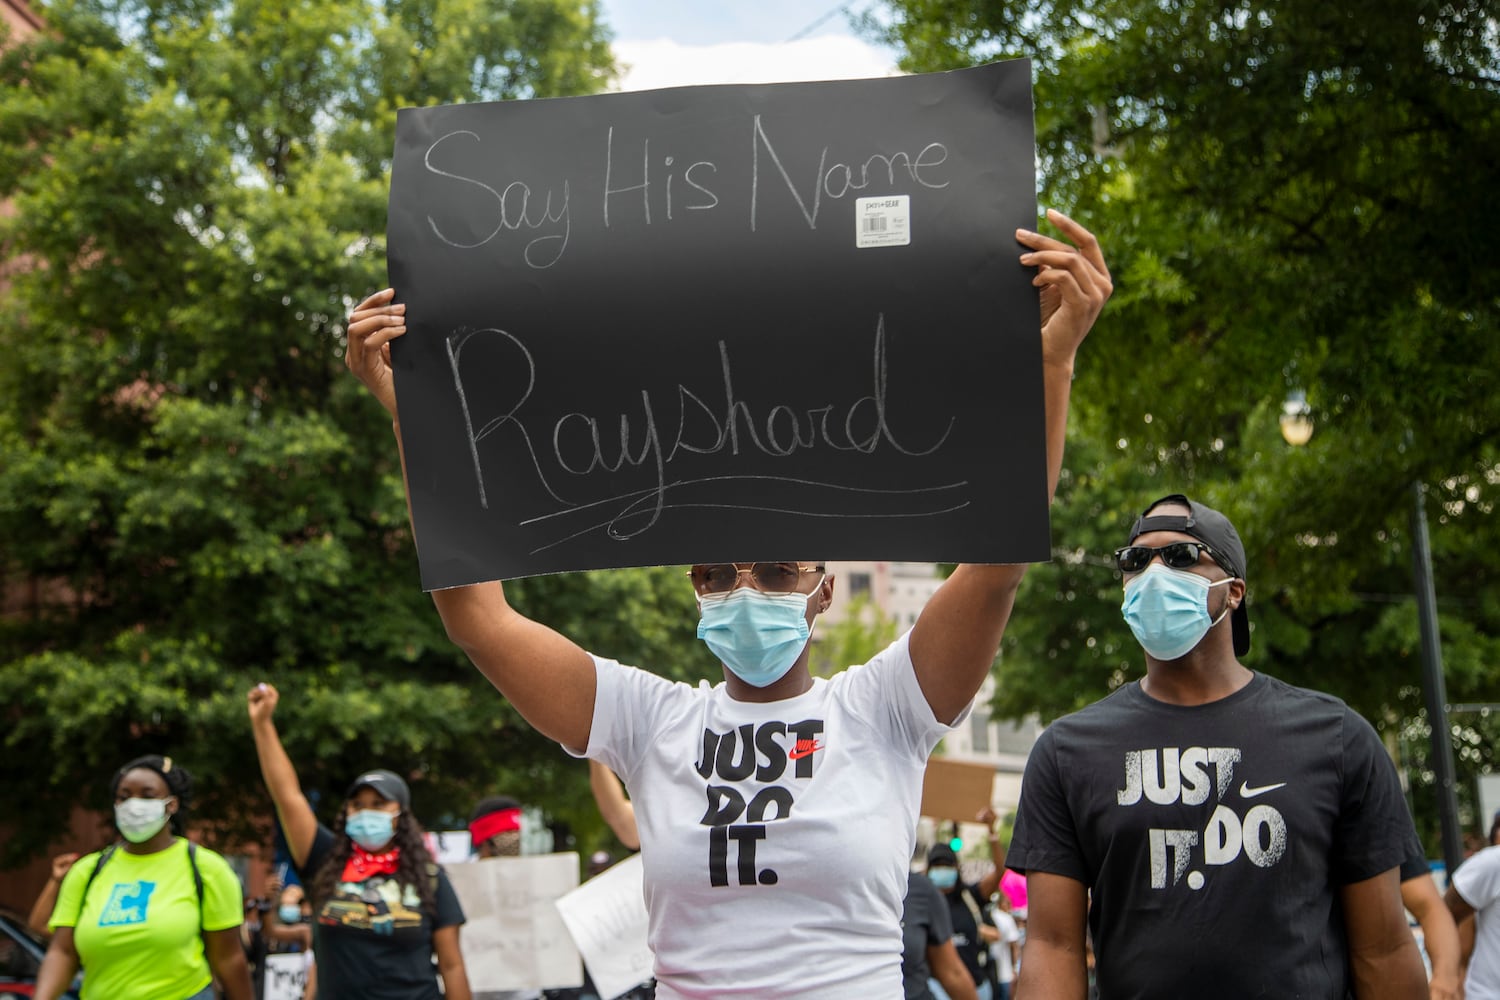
x,y
491,824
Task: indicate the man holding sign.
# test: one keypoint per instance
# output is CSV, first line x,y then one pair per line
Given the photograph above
x,y
776,810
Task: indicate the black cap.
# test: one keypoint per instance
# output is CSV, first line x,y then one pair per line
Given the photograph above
x,y
387,784
1213,530
942,854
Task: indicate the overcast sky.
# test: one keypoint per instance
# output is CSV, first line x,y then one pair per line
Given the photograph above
x,y
670,43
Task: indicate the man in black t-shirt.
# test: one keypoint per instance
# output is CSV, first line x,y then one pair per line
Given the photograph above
x,y
1226,834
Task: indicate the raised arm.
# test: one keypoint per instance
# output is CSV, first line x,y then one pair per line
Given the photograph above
x,y
546,676
1383,957
958,634
609,795
294,813
989,884
41,910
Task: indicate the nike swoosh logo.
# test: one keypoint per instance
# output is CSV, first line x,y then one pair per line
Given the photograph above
x,y
799,754
1246,792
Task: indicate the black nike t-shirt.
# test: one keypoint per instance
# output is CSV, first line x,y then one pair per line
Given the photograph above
x,y
1214,838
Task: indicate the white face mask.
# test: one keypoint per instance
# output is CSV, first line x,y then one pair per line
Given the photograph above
x,y
140,819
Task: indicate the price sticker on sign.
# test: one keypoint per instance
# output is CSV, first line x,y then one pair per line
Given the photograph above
x,y
882,222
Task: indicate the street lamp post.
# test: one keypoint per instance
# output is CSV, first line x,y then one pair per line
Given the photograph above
x,y
1296,429
1434,689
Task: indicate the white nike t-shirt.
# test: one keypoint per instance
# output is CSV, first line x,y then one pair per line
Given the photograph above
x,y
775,837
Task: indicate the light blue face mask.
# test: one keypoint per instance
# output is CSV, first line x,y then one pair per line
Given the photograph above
x,y
371,829
756,635
289,914
943,877
1167,609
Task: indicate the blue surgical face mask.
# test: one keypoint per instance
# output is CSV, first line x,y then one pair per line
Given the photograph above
x,y
1167,609
943,877
289,914
756,635
371,829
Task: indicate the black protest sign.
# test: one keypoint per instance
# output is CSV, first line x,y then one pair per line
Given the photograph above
x,y
721,324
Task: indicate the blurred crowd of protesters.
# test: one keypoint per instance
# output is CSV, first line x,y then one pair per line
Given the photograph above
x,y
153,915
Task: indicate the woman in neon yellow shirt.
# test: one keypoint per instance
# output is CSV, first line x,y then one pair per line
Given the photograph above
x,y
152,917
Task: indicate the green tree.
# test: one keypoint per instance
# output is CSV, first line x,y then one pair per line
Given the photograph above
x,y
193,496
1291,195
862,631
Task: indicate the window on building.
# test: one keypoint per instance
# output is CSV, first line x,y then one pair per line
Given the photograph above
x,y
859,584
979,730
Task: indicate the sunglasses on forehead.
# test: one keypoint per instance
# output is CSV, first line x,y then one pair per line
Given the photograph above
x,y
1178,555
770,577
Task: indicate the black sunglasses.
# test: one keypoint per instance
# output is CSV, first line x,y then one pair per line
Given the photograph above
x,y
1178,555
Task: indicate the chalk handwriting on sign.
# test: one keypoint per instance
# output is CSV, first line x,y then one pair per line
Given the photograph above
x,y
677,326
579,444
540,218
285,977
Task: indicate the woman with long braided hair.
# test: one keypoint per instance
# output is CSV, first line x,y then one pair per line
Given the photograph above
x,y
382,907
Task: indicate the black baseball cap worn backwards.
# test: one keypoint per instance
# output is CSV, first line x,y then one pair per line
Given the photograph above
x,y
387,784
1214,530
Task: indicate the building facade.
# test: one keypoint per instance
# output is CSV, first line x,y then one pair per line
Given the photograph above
x,y
896,592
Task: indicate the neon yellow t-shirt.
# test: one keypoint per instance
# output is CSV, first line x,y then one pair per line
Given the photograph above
x,y
138,935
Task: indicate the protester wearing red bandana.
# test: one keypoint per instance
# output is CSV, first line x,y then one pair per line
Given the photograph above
x,y
495,829
383,908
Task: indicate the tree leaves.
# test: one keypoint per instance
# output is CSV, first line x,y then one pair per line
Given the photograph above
x,y
194,496
1291,196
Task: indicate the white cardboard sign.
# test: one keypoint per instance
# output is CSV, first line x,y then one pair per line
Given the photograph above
x,y
514,938
607,918
286,977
